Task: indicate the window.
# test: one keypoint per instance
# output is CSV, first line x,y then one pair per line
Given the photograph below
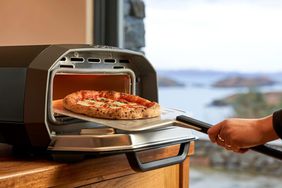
x,y
218,59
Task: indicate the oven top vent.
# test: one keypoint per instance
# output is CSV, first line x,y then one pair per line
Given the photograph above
x,y
77,59
94,60
68,60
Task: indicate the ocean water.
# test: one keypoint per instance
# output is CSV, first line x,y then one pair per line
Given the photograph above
x,y
195,101
195,98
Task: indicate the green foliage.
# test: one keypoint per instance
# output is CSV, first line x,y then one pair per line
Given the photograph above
x,y
253,104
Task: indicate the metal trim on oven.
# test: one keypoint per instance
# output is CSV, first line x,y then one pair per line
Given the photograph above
x,y
114,142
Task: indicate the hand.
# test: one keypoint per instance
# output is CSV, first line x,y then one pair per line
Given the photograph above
x,y
240,134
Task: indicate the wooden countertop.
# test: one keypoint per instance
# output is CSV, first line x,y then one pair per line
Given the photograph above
x,y
44,172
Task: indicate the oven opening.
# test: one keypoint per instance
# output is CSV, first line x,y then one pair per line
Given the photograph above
x,y
68,82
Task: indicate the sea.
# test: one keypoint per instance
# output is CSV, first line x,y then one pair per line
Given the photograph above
x,y
196,96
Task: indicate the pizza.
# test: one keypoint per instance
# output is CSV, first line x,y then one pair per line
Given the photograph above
x,y
110,105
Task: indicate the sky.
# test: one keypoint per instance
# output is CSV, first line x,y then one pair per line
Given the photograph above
x,y
225,35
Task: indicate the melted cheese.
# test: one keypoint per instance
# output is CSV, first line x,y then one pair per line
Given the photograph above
x,y
117,103
83,103
91,103
99,102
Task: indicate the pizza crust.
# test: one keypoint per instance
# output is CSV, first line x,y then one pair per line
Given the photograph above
x,y
118,106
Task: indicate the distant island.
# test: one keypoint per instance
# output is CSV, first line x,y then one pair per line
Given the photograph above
x,y
238,81
169,82
271,98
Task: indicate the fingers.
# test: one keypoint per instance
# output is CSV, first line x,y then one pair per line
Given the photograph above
x,y
216,134
214,131
220,141
227,143
224,143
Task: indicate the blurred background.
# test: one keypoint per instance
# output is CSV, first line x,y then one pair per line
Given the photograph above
x,y
218,59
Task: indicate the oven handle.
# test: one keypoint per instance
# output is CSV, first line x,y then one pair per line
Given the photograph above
x,y
204,127
138,166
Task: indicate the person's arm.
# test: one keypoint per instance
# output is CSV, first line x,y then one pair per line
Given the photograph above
x,y
240,134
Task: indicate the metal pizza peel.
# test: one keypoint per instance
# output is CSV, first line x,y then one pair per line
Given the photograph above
x,y
168,117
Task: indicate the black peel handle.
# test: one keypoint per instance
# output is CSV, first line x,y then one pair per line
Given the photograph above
x,y
204,127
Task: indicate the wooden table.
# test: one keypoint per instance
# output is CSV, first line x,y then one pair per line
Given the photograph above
x,y
106,171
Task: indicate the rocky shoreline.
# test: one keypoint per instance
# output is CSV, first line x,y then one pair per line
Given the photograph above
x,y
169,82
271,98
244,82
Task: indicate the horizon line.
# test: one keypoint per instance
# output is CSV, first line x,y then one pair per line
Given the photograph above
x,y
223,71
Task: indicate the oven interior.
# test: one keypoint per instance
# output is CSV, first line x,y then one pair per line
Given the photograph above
x,y
65,82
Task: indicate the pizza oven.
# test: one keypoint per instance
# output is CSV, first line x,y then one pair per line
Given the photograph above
x,y
32,77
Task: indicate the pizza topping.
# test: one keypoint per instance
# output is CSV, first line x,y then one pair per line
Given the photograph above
x,y
110,104
103,102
